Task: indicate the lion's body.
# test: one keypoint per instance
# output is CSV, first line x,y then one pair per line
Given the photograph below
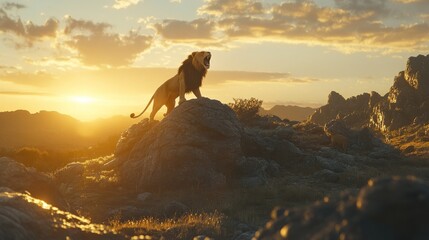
x,y
188,79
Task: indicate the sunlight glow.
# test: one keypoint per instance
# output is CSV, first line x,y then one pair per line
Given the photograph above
x,y
82,99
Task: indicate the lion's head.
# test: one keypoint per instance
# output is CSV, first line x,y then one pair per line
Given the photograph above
x,y
201,59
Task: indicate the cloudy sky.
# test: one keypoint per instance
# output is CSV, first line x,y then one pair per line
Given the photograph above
x,y
98,58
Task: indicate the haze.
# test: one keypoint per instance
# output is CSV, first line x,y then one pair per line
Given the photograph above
x,y
92,59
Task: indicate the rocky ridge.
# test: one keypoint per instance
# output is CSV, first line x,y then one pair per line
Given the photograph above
x,y
406,103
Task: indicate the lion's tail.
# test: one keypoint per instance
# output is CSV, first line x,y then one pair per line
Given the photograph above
x,y
132,115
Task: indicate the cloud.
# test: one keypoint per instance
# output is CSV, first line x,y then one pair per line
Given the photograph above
x,y
374,6
97,47
222,77
15,93
409,1
229,7
121,4
37,79
82,25
46,30
10,6
28,32
201,30
59,62
351,25
3,67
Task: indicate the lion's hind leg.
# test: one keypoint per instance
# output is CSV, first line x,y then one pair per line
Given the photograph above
x,y
155,108
171,102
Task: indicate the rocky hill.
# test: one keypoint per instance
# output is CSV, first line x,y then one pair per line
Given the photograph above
x,y
201,174
293,113
406,103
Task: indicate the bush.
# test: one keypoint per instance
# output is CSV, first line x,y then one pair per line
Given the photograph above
x,y
246,109
31,157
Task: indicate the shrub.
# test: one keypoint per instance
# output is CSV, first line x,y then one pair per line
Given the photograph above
x,y
30,156
246,109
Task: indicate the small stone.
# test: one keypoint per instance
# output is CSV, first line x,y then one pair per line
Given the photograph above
x,y
143,197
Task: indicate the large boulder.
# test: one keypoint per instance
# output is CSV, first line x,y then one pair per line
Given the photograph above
x,y
196,145
16,176
337,127
389,208
24,217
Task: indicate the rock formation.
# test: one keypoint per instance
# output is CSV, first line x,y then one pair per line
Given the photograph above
x,y
354,111
406,102
390,208
197,144
25,217
19,178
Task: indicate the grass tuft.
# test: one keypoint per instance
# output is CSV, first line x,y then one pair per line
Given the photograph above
x,y
184,227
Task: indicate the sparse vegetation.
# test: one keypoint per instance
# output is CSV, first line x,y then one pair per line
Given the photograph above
x,y
246,109
184,227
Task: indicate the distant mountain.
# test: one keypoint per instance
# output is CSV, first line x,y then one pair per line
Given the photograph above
x,y
294,113
53,130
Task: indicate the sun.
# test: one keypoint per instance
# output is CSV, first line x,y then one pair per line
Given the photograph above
x,y
82,99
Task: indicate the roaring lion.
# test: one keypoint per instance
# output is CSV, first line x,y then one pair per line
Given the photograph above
x,y
188,79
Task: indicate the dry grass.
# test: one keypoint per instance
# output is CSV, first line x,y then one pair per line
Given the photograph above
x,y
415,136
184,227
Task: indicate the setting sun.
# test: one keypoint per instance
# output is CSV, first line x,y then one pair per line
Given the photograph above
x,y
82,99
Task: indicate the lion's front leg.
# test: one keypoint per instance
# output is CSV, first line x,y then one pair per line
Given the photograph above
x,y
197,93
182,88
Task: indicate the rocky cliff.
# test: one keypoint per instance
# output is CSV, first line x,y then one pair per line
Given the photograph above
x,y
407,102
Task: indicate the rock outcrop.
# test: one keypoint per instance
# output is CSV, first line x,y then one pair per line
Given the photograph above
x,y
390,208
25,217
16,176
355,111
196,145
406,102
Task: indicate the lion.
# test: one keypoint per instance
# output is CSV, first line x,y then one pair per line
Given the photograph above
x,y
188,79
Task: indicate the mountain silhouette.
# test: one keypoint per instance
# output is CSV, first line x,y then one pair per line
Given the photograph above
x,y
294,113
53,130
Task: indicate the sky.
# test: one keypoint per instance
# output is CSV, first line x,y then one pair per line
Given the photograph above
x,y
95,59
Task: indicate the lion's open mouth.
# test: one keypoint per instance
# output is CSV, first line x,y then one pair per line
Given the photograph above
x,y
207,61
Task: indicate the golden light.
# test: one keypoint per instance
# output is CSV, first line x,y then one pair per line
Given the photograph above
x,y
82,99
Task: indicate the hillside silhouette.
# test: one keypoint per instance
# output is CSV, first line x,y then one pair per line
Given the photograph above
x,y
53,130
294,113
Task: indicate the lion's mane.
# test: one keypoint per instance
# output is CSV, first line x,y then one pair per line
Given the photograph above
x,y
193,76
